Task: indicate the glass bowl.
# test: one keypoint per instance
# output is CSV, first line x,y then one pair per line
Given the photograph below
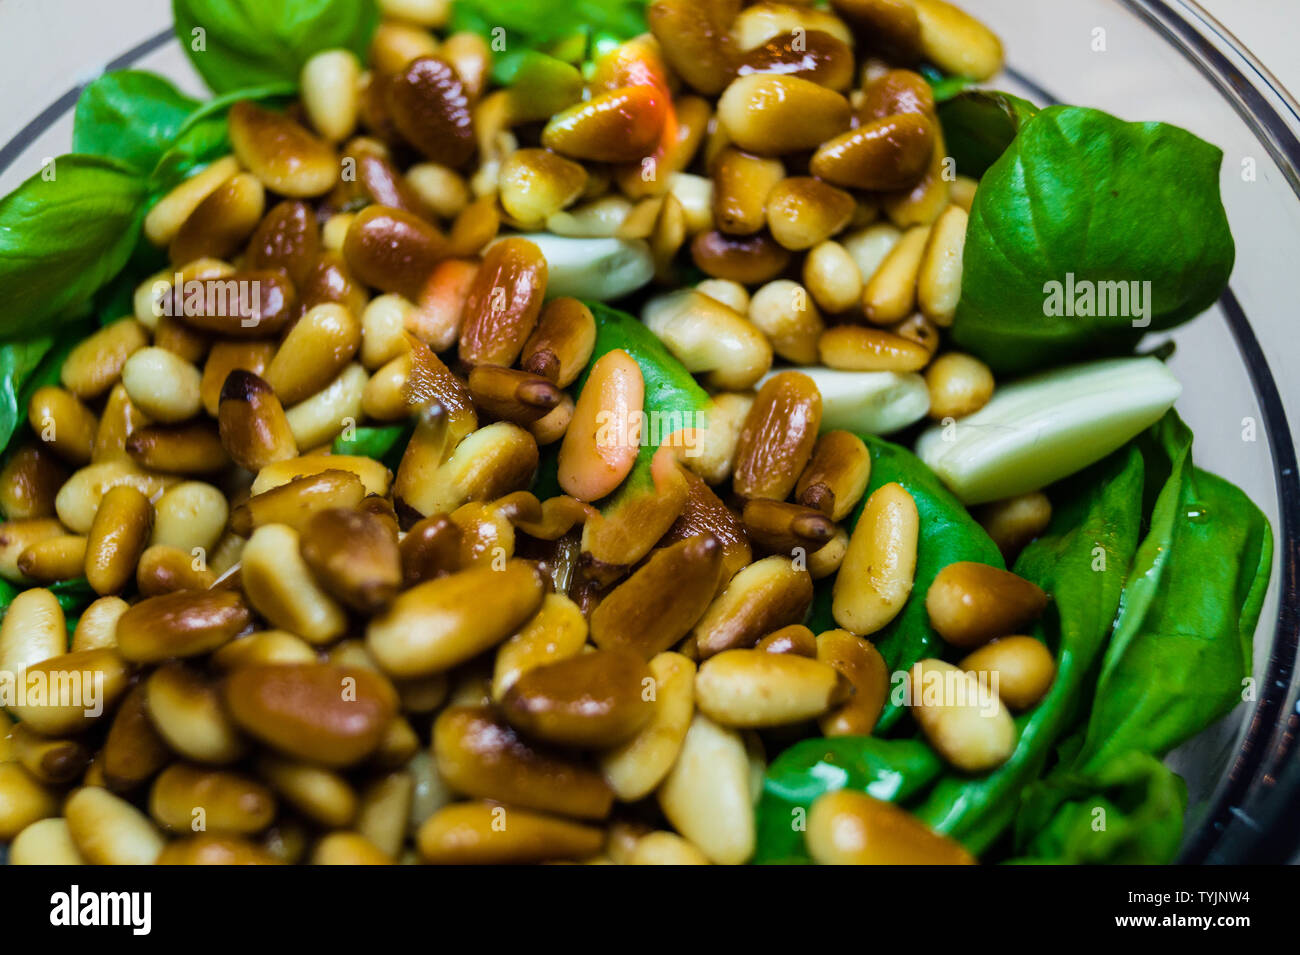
x,y
1139,59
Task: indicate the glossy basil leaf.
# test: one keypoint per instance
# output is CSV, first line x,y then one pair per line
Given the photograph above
x,y
384,443
948,535
73,596
890,769
942,85
1128,812
130,115
1083,197
1081,561
1181,649
237,43
62,238
979,125
19,361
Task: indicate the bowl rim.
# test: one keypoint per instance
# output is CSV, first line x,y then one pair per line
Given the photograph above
x,y
1249,817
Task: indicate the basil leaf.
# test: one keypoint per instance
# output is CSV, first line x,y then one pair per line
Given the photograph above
x,y
237,43
979,125
386,443
942,85
73,596
1083,197
129,115
18,362
63,238
948,535
1081,561
889,769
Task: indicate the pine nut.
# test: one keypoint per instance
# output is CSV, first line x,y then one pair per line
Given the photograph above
x,y
777,438
875,578
959,385
117,538
97,625
329,93
504,303
604,436
957,42
180,624
938,282
45,842
621,125
707,336
374,477
768,594
61,421
55,559
837,474
285,156
108,830
1024,667
535,184
862,665
187,712
771,114
318,420
855,348
254,429
749,260
1015,521
593,700
102,669
220,224
846,827
557,632
475,833
969,603
832,277
29,482
754,689
786,313
961,717
810,53
281,587
706,794
170,212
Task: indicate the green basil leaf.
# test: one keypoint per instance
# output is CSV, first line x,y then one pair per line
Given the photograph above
x,y
238,43
890,769
942,85
1081,561
62,238
948,535
385,443
129,115
979,125
73,596
1131,210
18,362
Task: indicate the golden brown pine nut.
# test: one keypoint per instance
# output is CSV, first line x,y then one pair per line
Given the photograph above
x,y
620,125
890,293
330,96
894,92
766,595
487,538
826,560
393,250
374,477
286,239
796,639
653,175
254,428
430,107
246,305
54,559
810,53
63,423
224,358
133,751
149,303
832,277
29,482
781,528
264,647
536,183
102,669
117,538
490,463
517,396
387,395
959,385
862,665
119,421
97,625
321,795
604,435
316,349
330,279
16,537
222,222
561,345
295,502
214,849
706,795
441,623
318,420
593,700
707,336
557,632
348,848
385,809
281,587
753,688
875,578
79,498
803,212
917,328
108,830
192,448
705,515
475,226
1024,667
45,842
846,827
922,204
777,438
695,40
504,303
956,41
187,712
169,213
741,185
970,603
636,767
93,366
836,476
885,154
479,755
186,798
430,549
771,114
335,716
1015,521
23,800
855,348
49,761
938,281
476,833
354,556
180,624
33,631
961,716
190,516
749,260
666,848
284,155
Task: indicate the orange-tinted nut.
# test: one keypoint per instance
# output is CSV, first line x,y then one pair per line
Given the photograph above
x,y
604,436
622,125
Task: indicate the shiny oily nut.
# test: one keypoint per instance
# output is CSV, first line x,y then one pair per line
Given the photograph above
x,y
742,183
894,92
483,833
803,211
777,438
16,537
184,795
617,126
50,761
504,302
537,183
837,474
809,54
108,830
856,348
751,689
281,587
768,594
959,385
185,709
181,624
330,96
97,625
354,556
214,849
604,436
938,282
706,795
846,827
890,293
969,603
294,502
190,516
317,348
883,155
771,114
695,40
29,482
223,358
94,365
167,216
1024,668
63,423
54,559
749,260
781,528
796,639
1015,521
78,499
961,716
254,429
430,107
117,538
592,700
393,250
861,664
334,716
831,275
188,448
220,224
162,385
560,346
285,156
25,802
634,768
876,575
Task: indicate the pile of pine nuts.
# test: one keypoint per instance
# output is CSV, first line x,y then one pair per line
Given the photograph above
x,y
304,656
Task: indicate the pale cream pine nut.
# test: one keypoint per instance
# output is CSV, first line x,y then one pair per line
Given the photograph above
x,y
959,385
335,231
832,277
955,41
33,631
666,848
706,795
760,22
442,189
754,689
320,794
383,330
1024,667
93,366
732,294
330,93
695,193
714,453
870,247
78,500
108,830
318,419
601,218
384,811
17,536
97,625
636,767
190,515
162,385
282,589
169,214
938,283
45,842
875,578
961,717
709,337
187,712
890,294
785,312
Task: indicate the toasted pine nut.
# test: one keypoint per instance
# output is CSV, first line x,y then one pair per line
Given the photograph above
x,y
118,424
107,830
504,303
224,358
600,218
803,212
78,500
695,193
970,603
875,578
963,192
383,326
753,688
557,632
959,385
1024,667
33,631
117,538
832,277
938,281
374,477
777,438
478,754
861,663
49,761
393,250
97,625
620,125
29,482
323,796
768,594
961,717
330,94
856,348
284,155
267,646
348,848
490,463
354,556
956,41
480,832
295,502
846,827
170,212
706,795
749,259
707,336
93,366
836,476
281,587
883,154
190,515
636,767
54,559
63,423
16,537
317,348
536,183
781,528
561,345
891,291
185,798
796,639
186,711
45,842
222,222
785,312
193,448
741,185
385,809
771,114
23,800
102,669
133,750
254,428
180,624
1015,521
593,700
604,435
923,202
517,396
